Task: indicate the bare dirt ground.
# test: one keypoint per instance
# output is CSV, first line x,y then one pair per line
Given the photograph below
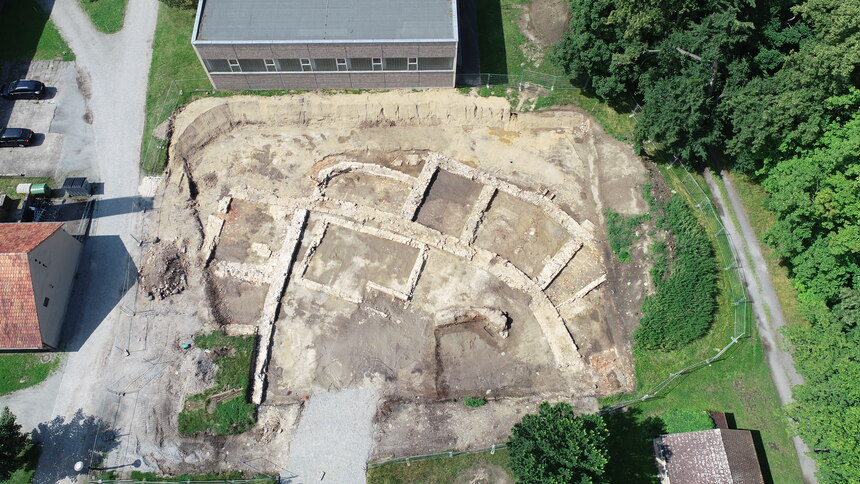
x,y
426,246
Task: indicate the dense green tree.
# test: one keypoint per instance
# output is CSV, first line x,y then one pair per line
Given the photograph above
x,y
826,407
557,446
13,443
815,197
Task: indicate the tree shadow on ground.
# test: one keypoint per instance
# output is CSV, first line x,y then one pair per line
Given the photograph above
x,y
65,442
631,454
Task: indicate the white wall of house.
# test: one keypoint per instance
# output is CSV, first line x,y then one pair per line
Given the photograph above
x,y
52,269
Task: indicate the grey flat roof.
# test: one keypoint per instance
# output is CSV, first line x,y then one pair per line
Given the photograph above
x,y
326,20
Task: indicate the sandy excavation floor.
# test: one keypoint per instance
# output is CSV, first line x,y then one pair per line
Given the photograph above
x,y
429,245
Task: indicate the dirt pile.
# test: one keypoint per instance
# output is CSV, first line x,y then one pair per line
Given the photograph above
x,y
164,272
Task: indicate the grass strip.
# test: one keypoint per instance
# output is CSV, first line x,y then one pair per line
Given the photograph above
x,y
22,370
26,33
107,16
173,58
442,470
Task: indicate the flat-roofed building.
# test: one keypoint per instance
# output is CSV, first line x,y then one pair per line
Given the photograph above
x,y
331,44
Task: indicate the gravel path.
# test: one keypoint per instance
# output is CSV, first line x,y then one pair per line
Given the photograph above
x,y
72,405
765,303
334,438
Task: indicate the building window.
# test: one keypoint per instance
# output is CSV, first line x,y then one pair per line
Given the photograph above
x,y
435,63
377,64
270,65
324,65
234,65
217,65
306,65
341,64
394,63
360,64
252,65
46,301
289,65
412,63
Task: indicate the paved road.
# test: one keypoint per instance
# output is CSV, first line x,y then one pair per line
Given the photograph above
x,y
69,410
768,311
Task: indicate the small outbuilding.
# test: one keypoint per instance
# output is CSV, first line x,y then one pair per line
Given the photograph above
x,y
333,44
718,456
37,269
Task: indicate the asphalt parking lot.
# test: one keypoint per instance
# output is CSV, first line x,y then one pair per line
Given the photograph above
x,y
62,127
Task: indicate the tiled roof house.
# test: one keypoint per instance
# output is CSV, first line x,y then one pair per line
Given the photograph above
x,y
718,456
37,267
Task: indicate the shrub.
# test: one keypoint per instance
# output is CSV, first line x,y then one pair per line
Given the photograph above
x,y
474,402
682,308
180,3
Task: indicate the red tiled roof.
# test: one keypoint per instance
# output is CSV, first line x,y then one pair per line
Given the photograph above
x,y
19,322
20,238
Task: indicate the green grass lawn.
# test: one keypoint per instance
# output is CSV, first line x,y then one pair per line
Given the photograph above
x,y
231,413
22,370
738,383
436,471
107,15
27,33
173,58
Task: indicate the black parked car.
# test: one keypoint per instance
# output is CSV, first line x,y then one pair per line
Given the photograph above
x,y
23,89
15,137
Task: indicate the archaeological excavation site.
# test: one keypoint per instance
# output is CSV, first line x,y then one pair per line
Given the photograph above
x,y
406,250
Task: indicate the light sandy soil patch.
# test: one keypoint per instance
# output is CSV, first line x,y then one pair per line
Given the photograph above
x,y
347,230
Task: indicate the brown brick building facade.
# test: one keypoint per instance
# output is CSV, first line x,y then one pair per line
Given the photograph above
x,y
346,44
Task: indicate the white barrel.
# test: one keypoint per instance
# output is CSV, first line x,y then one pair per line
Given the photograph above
x,y
23,188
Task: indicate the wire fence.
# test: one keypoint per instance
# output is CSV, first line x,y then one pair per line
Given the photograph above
x,y
447,454
729,262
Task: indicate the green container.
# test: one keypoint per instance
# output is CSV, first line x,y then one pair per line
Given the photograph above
x,y
40,189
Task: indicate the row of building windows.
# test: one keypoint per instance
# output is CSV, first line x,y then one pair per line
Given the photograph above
x,y
331,65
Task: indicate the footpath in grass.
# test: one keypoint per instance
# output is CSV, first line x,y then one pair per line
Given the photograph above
x,y
26,33
739,383
22,370
224,408
106,15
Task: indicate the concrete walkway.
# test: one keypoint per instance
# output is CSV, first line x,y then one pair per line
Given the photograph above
x,y
765,303
68,411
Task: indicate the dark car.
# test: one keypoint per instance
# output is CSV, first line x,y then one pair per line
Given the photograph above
x,y
23,89
15,137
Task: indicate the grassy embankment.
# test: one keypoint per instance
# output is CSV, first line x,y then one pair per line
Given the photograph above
x,y
107,16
